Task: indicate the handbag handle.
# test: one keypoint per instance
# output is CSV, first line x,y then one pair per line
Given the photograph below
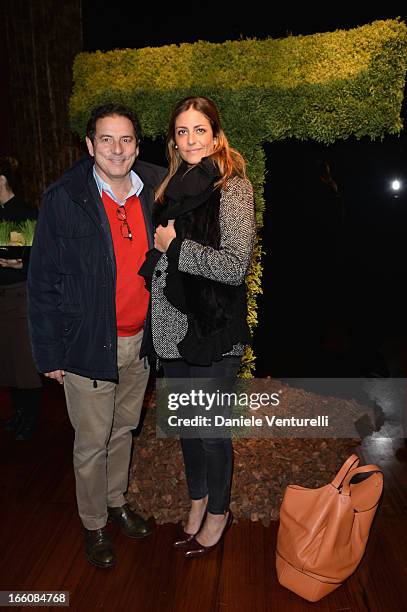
x,y
364,494
360,470
348,465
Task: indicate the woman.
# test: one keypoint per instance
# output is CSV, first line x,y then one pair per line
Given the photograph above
x,y
205,231
17,369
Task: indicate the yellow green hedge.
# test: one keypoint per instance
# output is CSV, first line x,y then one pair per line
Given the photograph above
x,y
321,87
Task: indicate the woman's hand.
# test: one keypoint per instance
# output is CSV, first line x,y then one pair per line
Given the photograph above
x,y
164,236
17,264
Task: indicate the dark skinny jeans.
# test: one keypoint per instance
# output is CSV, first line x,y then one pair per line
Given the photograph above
x,y
208,462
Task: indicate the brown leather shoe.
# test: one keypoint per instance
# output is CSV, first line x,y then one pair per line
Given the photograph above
x,y
196,549
132,524
98,547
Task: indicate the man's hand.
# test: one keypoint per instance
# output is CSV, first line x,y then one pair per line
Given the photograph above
x,y
164,236
17,264
56,375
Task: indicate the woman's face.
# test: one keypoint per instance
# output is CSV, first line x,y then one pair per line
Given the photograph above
x,y
193,136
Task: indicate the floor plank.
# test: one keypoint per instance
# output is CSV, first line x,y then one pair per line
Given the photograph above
x,y
42,548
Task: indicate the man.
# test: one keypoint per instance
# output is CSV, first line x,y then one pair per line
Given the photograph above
x,y
87,311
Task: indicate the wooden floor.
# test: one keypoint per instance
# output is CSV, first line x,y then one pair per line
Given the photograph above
x,y
42,549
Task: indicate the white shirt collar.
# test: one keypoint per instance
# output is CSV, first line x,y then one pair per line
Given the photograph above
x,y
136,186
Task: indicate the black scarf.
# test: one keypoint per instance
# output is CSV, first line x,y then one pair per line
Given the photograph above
x,y
216,312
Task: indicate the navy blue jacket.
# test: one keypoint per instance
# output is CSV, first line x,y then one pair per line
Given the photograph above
x,y
72,275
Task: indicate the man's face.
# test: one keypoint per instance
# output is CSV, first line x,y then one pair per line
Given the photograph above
x,y
114,147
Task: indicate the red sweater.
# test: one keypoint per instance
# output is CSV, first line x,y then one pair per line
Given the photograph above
x,y
131,295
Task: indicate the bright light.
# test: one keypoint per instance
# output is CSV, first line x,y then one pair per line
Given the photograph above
x,y
396,185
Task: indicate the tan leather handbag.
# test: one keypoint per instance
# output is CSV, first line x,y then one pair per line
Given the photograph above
x,y
323,532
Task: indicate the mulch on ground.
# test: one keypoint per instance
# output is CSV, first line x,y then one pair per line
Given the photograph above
x,y
263,467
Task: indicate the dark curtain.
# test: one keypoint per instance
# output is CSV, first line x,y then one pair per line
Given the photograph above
x,y
41,39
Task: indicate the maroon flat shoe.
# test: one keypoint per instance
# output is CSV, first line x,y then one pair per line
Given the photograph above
x,y
185,538
195,549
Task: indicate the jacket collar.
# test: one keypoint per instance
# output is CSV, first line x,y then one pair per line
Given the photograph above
x,y
81,187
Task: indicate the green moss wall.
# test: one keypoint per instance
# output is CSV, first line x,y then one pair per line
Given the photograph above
x,y
321,87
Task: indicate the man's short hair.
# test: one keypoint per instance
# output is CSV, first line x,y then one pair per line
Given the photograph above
x,y
109,110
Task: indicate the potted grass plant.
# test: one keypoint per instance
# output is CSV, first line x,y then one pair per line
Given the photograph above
x,y
15,238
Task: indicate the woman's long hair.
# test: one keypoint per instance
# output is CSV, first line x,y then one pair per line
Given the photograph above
x,y
228,160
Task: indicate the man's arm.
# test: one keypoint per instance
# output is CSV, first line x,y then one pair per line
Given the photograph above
x,y
44,290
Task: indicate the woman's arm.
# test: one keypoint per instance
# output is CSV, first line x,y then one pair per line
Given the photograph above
x,y
238,230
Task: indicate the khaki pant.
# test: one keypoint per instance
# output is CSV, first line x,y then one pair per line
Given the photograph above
x,y
103,418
